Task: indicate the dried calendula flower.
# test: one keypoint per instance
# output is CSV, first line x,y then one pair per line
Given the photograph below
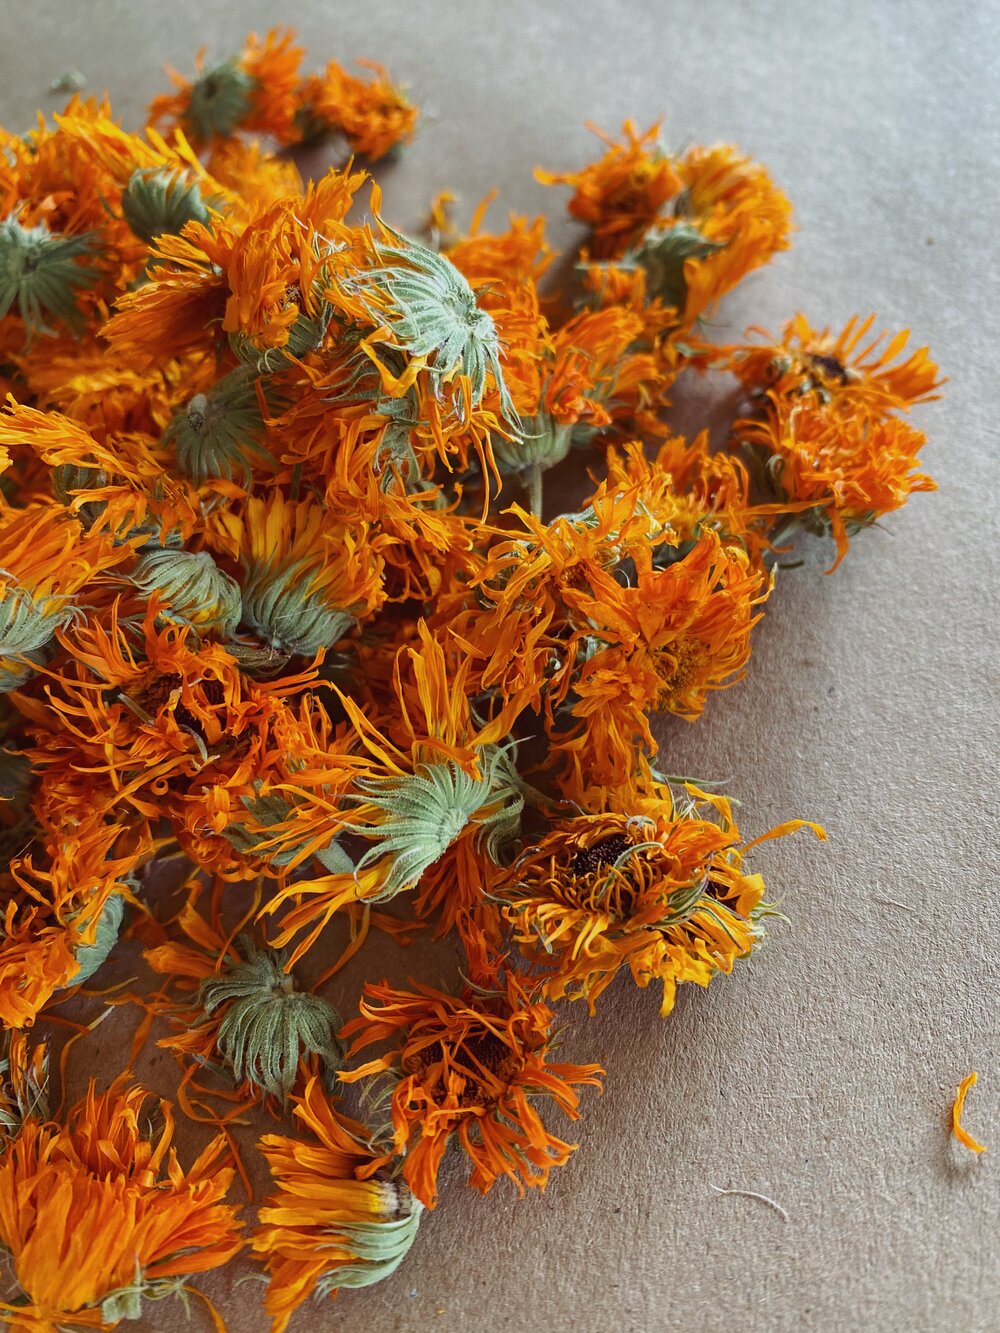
x,y
329,1224
468,1068
432,313
114,1219
192,588
41,274
273,635
264,1025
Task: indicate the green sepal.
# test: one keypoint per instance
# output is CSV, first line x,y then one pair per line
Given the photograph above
x,y
662,255
278,605
267,1025
435,315
540,442
156,202
221,433
41,272
195,591
126,1302
380,1247
26,627
91,957
218,102
426,812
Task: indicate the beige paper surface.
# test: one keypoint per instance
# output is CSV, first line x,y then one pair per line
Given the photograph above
x,y
821,1073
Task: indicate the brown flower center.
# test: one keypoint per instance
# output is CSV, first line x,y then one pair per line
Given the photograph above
x,y
589,860
476,1053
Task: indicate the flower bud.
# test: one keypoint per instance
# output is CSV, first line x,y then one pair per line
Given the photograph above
x,y
193,589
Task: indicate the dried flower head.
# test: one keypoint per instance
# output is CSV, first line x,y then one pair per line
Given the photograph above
x,y
264,1026
41,274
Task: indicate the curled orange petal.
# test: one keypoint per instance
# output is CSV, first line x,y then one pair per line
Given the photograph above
x,y
963,1135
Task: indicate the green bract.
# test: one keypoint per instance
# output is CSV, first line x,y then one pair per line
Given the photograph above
x,y
219,433
425,813
279,606
40,274
157,201
434,314
194,589
26,626
541,443
90,957
218,101
662,255
380,1247
268,1026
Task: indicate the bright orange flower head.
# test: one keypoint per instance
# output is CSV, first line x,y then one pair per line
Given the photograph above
x,y
523,630
847,370
688,488
469,1067
260,281
374,115
436,773
254,91
328,1224
621,196
306,579
730,219
43,561
63,901
741,213
170,728
649,884
840,470
94,1216
662,643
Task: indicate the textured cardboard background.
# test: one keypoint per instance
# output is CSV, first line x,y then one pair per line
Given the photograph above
x,y
822,1073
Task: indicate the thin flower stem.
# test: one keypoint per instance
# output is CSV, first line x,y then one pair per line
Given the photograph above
x,y
533,486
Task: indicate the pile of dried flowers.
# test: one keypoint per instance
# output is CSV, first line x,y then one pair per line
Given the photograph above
x,y
279,606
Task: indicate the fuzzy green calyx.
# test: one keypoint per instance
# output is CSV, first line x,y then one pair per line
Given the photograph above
x,y
280,605
379,1247
267,1025
662,255
434,314
26,626
156,202
194,590
540,443
126,1302
219,434
218,101
40,274
91,957
426,811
